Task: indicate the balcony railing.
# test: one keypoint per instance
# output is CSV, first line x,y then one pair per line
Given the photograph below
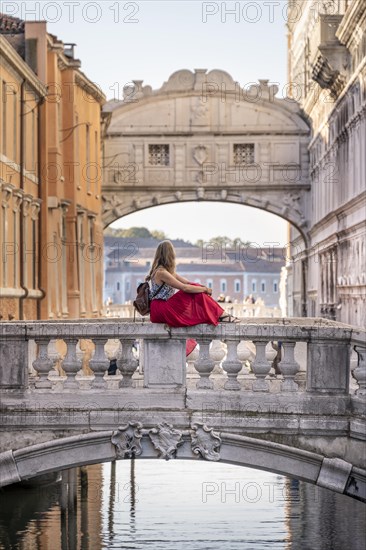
x,y
314,356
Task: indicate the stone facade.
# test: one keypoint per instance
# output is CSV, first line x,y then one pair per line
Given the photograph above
x,y
327,69
202,137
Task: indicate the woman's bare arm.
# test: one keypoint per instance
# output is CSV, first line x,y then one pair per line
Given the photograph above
x,y
165,277
180,278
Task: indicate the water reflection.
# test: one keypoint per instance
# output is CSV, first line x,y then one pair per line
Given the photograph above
x,y
164,505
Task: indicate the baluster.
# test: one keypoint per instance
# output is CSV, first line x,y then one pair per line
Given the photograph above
x,y
359,372
244,354
191,359
260,367
232,366
289,367
127,364
204,366
99,363
217,353
42,364
55,357
70,364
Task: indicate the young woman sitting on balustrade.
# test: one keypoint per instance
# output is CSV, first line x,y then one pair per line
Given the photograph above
x,y
176,301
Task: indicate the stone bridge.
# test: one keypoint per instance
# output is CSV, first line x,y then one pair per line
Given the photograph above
x,y
299,411
203,136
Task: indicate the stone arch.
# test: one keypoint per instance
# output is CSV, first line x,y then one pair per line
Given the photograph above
x,y
97,447
115,209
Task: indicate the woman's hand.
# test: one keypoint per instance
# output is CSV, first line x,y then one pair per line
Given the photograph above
x,y
208,291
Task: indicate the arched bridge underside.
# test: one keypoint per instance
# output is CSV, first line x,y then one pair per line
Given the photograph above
x,y
203,136
197,442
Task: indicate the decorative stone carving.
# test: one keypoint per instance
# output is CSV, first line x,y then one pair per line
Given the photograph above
x,y
292,201
359,373
200,154
127,440
200,193
166,440
111,203
205,442
200,112
180,80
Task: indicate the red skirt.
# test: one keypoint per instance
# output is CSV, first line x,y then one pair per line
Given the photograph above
x,y
185,309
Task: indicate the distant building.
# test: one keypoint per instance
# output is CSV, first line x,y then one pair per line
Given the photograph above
x,y
51,234
253,271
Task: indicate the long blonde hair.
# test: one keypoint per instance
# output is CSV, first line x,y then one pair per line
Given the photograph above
x,y
164,257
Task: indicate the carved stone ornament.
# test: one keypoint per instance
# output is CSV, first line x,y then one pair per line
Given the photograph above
x,y
166,440
205,442
200,154
127,440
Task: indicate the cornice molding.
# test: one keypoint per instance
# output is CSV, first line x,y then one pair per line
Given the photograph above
x,y
89,86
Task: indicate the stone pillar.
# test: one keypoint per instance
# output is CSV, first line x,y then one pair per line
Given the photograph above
x,y
328,367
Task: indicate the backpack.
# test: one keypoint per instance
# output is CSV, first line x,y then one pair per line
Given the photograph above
x,y
143,298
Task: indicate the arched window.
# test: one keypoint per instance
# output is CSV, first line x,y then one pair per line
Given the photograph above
x,y
237,285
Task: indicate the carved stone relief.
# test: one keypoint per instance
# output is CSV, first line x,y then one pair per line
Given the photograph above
x,y
205,442
127,440
166,440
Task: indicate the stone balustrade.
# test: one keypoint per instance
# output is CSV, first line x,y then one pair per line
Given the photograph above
x,y
230,357
241,310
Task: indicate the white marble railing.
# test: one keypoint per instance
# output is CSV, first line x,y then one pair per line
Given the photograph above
x,y
126,311
153,354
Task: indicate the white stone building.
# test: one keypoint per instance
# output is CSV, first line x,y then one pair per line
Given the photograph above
x,y
327,66
256,273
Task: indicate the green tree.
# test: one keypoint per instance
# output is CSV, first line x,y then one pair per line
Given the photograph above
x,y
159,235
223,242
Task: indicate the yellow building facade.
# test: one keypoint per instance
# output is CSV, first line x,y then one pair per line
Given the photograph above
x,y
62,247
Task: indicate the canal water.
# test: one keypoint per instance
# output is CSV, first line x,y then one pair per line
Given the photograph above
x,y
178,505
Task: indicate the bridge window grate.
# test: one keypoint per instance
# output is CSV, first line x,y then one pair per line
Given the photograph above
x,y
243,153
159,155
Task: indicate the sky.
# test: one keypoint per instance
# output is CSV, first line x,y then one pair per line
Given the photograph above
x,y
119,41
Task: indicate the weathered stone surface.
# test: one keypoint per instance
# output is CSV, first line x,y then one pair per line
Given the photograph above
x,y
167,369
334,474
13,362
328,367
323,418
8,469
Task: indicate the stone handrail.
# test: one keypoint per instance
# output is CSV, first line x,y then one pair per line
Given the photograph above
x,y
241,310
163,354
